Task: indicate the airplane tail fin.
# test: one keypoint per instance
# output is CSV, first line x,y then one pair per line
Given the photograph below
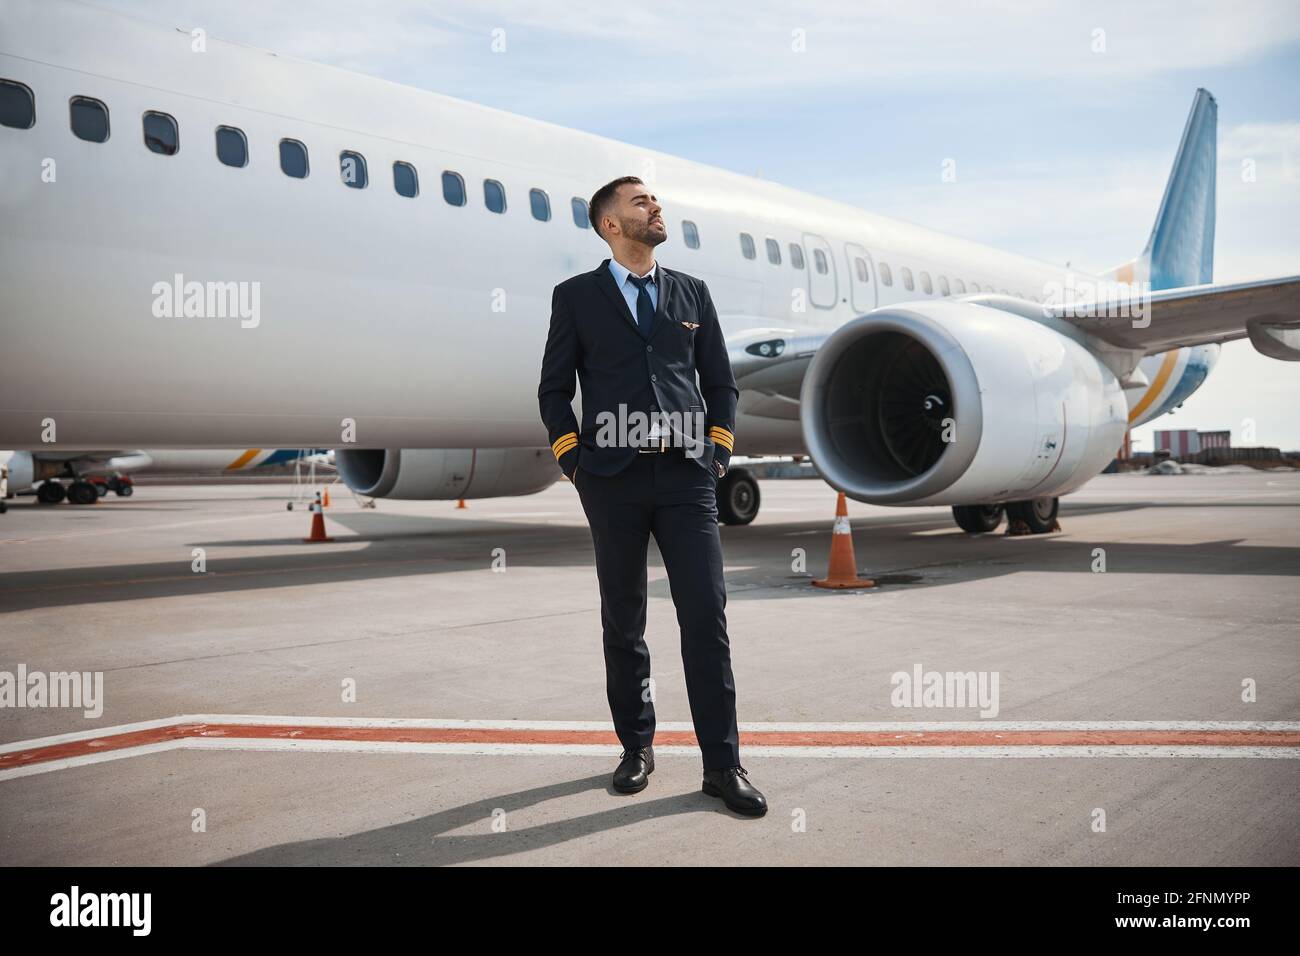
x,y
1180,251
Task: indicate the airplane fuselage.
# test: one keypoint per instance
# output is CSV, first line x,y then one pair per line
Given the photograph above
x,y
359,315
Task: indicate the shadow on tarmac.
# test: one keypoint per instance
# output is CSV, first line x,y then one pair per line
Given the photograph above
x,y
425,842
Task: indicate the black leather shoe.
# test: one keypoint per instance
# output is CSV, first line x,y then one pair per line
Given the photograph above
x,y
633,774
736,792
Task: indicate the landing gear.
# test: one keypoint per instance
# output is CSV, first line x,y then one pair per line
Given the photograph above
x,y
51,492
79,492
1037,516
977,519
82,493
738,497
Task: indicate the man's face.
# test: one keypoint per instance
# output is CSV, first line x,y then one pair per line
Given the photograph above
x,y
639,215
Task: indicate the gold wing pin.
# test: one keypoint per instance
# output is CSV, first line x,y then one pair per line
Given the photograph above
x,y
691,325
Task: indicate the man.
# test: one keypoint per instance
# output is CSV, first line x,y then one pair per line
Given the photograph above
x,y
645,461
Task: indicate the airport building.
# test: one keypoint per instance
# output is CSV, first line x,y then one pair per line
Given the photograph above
x,y
1185,442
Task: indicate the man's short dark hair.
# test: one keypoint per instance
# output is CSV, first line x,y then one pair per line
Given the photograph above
x,y
603,197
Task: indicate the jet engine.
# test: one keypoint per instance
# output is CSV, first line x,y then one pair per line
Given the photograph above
x,y
443,473
958,403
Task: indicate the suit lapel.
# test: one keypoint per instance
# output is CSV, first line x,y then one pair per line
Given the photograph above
x,y
605,281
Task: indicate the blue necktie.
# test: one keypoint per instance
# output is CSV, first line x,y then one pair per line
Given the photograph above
x,y
645,309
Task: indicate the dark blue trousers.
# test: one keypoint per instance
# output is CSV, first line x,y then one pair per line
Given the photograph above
x,y
674,499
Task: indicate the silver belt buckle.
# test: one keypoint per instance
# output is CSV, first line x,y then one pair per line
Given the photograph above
x,y
653,451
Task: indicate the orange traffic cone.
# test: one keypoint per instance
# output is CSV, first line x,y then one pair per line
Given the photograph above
x,y
460,503
326,500
317,522
843,571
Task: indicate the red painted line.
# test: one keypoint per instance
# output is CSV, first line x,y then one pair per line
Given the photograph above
x,y
770,738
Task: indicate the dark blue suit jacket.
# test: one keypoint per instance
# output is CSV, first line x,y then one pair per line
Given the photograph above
x,y
594,335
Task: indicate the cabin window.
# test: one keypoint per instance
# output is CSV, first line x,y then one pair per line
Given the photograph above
x,y
406,181
453,188
494,195
819,260
943,286
89,119
232,146
926,285
960,286
864,272
886,274
540,203
293,158
581,217
17,105
352,169
908,284
796,255
747,245
161,134
690,234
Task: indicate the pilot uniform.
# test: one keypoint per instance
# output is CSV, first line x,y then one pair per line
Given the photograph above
x,y
639,342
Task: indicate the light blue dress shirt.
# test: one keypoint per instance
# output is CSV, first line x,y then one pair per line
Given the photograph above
x,y
630,291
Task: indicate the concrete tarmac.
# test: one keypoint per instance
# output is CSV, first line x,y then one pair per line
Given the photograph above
x,y
203,600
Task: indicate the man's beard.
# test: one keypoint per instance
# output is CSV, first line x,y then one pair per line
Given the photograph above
x,y
642,232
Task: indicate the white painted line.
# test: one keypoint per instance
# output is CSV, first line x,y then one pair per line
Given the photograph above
x,y
754,753
604,751
50,766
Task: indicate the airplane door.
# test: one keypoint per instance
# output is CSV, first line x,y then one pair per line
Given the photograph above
x,y
862,277
822,285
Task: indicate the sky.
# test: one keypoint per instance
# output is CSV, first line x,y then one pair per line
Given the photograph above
x,y
1061,119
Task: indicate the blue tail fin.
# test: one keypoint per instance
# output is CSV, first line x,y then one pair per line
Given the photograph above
x,y
1180,251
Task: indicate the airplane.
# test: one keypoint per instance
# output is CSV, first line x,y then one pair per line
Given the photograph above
x,y
41,472
208,244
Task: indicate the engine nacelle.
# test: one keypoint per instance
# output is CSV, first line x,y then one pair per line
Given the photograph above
x,y
22,471
443,473
958,403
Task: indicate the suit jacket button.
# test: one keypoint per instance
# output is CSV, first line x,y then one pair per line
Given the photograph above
x,y
654,378
649,348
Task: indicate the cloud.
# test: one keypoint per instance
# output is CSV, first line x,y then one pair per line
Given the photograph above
x,y
690,54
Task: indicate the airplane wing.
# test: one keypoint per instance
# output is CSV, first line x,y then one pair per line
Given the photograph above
x,y
1267,312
